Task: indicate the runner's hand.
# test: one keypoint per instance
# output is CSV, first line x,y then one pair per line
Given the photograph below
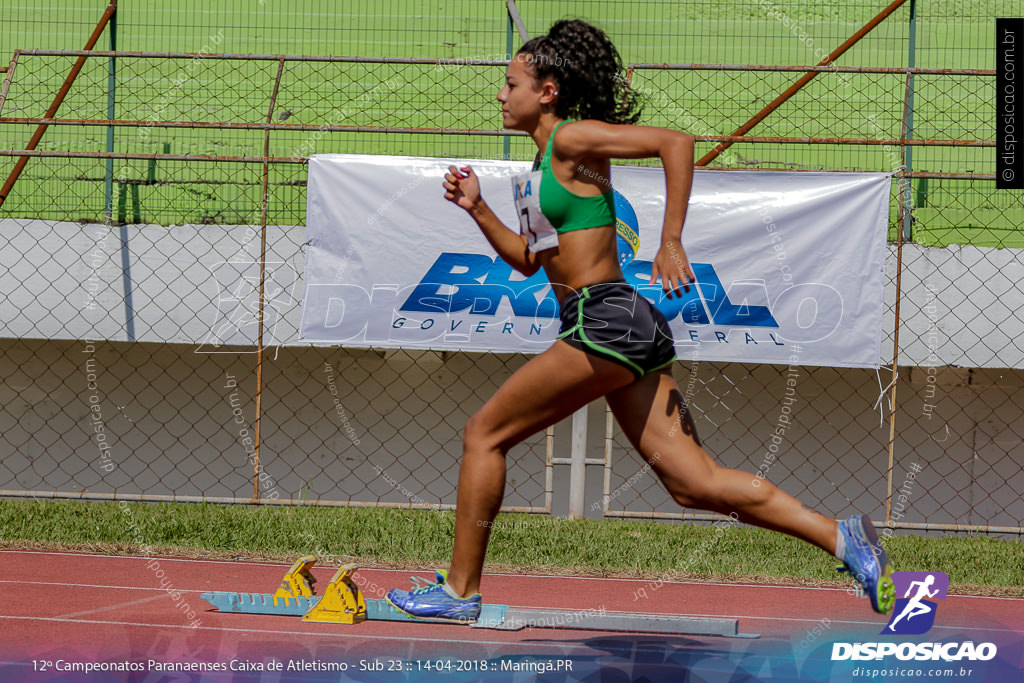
x,y
674,269
462,187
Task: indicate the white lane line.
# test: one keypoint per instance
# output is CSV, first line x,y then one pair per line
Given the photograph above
x,y
346,634
110,607
710,616
511,575
120,588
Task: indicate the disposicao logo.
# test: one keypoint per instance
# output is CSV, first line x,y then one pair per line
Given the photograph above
x,y
914,613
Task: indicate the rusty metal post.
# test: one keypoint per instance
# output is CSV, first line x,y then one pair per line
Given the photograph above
x,y
19,166
263,285
902,218
802,81
9,70
895,373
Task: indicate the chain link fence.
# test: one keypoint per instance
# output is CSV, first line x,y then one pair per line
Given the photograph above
x,y
149,315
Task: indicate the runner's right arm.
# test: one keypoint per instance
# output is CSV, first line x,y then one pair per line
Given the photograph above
x,y
462,188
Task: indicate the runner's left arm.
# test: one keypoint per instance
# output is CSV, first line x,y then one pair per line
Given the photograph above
x,y
596,139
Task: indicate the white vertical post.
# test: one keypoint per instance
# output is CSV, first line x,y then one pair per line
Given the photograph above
x,y
577,464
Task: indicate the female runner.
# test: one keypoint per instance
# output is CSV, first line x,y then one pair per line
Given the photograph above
x,y
566,91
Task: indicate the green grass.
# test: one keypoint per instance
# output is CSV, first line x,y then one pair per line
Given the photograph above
x,y
953,33
418,539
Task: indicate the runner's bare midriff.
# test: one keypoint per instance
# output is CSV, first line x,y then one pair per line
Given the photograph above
x,y
583,257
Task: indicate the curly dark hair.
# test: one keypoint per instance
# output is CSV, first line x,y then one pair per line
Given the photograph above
x,y
587,68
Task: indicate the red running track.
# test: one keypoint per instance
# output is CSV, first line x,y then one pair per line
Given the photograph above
x,y
61,612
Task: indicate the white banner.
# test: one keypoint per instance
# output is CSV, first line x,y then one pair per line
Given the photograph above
x,y
789,266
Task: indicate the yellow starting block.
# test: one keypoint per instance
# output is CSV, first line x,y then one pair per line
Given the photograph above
x,y
298,581
342,603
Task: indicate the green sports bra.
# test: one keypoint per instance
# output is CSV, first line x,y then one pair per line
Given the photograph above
x,y
566,210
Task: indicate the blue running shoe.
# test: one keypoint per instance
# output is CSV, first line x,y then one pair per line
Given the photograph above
x,y
865,559
432,601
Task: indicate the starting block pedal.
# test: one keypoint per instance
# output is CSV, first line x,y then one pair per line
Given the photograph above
x,y
297,581
342,603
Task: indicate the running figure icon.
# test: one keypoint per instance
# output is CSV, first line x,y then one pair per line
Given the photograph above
x,y
916,606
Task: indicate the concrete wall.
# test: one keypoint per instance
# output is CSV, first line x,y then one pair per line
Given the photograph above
x,y
176,423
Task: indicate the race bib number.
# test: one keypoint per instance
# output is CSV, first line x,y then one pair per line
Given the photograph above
x,y
540,234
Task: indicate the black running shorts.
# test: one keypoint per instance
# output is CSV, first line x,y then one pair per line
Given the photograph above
x,y
612,321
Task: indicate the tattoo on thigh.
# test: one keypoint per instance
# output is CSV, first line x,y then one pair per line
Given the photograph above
x,y
683,419
808,508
